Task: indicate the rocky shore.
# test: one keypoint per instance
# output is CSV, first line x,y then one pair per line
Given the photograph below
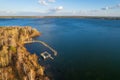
x,y
16,63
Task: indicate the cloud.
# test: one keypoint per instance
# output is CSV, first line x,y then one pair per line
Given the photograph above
x,y
105,8
45,2
57,9
111,7
23,13
4,13
7,12
51,0
100,11
118,5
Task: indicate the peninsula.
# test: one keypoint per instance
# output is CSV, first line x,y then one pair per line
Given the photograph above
x,y
16,63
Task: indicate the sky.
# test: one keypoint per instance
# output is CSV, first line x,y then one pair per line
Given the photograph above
x,y
60,8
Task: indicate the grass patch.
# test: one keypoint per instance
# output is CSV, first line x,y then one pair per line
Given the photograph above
x,y
13,49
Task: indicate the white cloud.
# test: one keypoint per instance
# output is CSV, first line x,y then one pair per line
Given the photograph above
x,y
8,12
43,2
3,13
51,0
106,8
46,2
118,5
57,9
111,7
73,12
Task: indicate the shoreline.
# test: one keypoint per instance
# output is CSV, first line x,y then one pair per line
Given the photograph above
x,y
15,60
86,17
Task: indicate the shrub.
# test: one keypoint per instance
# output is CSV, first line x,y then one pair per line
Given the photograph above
x,y
12,48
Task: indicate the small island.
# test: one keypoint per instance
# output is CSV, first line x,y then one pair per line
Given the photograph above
x,y
16,63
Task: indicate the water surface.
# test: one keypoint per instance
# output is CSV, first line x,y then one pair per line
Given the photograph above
x,y
88,49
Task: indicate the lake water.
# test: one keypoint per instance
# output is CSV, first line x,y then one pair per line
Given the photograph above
x,y
88,49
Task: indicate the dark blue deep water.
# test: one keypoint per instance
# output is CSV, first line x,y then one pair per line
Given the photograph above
x,y
88,49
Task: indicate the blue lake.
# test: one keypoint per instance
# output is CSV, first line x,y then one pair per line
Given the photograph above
x,y
88,49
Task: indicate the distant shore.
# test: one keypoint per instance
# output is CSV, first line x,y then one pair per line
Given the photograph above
x,y
91,17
